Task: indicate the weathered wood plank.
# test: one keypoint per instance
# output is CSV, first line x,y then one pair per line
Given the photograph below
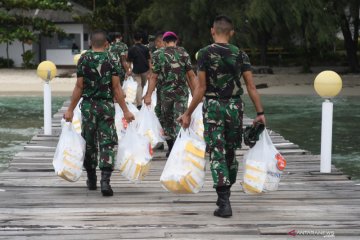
x,y
36,204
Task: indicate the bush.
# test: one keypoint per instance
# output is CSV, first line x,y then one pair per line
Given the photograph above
x,y
28,58
5,63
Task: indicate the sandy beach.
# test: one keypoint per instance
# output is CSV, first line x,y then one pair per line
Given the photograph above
x,y
284,81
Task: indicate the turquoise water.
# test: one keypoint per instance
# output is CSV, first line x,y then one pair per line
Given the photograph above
x,y
21,118
297,118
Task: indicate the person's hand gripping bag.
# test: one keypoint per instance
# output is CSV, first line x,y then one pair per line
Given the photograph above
x,y
120,122
70,152
263,166
153,95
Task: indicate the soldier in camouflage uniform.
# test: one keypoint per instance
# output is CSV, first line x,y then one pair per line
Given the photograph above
x,y
220,67
173,65
159,46
118,51
98,84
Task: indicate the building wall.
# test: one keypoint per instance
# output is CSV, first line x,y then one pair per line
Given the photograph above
x,y
59,50
54,49
15,51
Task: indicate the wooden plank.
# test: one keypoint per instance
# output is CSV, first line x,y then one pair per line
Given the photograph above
x,y
36,204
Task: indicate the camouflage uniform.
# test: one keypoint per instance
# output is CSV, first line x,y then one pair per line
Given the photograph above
x,y
171,64
223,108
118,50
154,59
98,112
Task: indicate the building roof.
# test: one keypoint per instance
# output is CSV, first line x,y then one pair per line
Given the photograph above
x,y
56,16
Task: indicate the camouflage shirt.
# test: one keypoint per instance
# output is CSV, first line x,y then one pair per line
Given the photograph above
x,y
118,50
97,69
155,61
171,64
223,65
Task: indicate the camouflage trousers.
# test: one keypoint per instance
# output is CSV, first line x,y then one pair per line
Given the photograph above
x,y
98,130
171,109
158,106
223,134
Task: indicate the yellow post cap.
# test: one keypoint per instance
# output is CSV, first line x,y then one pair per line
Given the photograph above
x,y
328,84
76,58
46,70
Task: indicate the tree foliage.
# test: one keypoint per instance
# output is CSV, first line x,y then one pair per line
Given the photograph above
x,y
17,24
305,28
347,14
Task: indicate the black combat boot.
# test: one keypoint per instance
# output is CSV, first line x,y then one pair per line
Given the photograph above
x,y
170,144
218,201
224,209
105,183
91,179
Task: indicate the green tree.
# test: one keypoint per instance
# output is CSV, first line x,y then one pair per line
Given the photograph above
x,y
191,20
114,15
311,26
263,22
18,21
347,14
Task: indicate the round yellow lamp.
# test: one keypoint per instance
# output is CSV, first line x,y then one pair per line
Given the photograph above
x,y
46,70
76,58
328,84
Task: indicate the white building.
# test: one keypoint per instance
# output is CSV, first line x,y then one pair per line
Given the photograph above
x,y
57,49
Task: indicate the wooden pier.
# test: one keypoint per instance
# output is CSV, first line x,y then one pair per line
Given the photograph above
x,y
36,204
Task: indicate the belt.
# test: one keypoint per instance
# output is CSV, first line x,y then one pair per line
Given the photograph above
x,y
223,97
97,98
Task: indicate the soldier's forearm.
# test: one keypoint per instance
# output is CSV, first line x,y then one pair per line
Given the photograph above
x,y
198,91
76,95
152,83
255,98
251,88
198,95
120,99
191,78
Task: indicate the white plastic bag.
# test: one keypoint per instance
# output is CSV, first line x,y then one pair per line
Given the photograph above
x,y
189,98
130,89
184,171
263,166
148,125
134,155
120,121
77,118
69,155
197,124
153,95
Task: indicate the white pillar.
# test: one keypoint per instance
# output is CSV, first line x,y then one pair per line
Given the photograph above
x,y
47,108
82,39
326,136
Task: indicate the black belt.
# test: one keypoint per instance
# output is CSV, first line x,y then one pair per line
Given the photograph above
x,y
223,97
97,98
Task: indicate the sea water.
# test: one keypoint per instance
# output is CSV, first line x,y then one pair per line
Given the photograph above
x,y
21,118
297,118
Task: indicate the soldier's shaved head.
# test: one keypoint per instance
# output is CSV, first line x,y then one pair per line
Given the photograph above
x,y
98,38
223,25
